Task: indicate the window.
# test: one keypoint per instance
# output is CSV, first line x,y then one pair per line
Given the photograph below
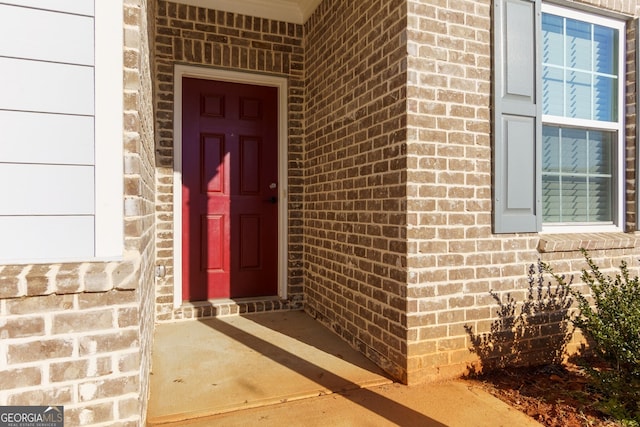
x,y
558,119
61,131
582,132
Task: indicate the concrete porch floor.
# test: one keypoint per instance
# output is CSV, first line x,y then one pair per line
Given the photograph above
x,y
218,365
284,368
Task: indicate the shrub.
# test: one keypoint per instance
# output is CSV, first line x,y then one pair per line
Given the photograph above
x,y
610,321
541,318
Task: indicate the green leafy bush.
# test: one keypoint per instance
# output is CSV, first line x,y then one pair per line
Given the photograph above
x,y
610,321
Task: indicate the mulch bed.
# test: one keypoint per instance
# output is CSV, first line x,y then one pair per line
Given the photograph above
x,y
558,396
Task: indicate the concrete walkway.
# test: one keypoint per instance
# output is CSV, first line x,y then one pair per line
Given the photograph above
x,y
285,368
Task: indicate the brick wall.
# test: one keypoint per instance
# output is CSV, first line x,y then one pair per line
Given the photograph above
x,y
355,175
79,334
390,145
78,350
454,260
390,124
198,36
140,178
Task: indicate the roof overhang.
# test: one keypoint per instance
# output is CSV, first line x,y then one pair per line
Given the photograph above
x,y
295,11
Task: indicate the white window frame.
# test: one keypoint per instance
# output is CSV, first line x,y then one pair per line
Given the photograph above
x,y
619,126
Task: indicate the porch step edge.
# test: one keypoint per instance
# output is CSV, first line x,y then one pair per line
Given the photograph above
x,y
167,420
191,310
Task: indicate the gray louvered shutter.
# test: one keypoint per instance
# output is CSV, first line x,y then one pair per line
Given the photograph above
x,y
517,127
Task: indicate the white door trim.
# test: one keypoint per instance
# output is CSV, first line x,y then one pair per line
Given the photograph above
x,y
181,71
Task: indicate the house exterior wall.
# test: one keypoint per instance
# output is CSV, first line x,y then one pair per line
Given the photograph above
x,y
79,334
454,259
140,172
190,35
390,183
355,175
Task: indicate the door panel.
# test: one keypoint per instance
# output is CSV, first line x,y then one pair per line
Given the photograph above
x,y
249,250
249,165
212,163
212,251
230,213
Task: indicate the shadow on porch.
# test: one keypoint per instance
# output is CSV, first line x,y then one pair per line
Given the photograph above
x,y
218,365
284,368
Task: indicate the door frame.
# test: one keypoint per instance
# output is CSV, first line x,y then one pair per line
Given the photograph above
x,y
204,73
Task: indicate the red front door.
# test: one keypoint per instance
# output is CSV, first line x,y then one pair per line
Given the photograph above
x,y
229,190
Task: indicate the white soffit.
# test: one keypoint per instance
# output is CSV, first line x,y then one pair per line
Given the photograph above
x,y
295,11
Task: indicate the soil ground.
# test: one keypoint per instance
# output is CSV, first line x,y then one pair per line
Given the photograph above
x,y
555,396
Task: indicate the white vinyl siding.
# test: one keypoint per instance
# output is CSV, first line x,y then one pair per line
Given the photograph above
x,y
46,138
56,39
46,87
52,189
60,130
45,237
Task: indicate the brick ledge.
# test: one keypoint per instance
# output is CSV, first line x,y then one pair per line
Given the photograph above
x,y
588,241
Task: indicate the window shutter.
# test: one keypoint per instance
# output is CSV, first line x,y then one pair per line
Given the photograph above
x,y
517,116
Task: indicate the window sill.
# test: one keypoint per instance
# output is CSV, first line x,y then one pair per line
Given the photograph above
x,y
588,241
